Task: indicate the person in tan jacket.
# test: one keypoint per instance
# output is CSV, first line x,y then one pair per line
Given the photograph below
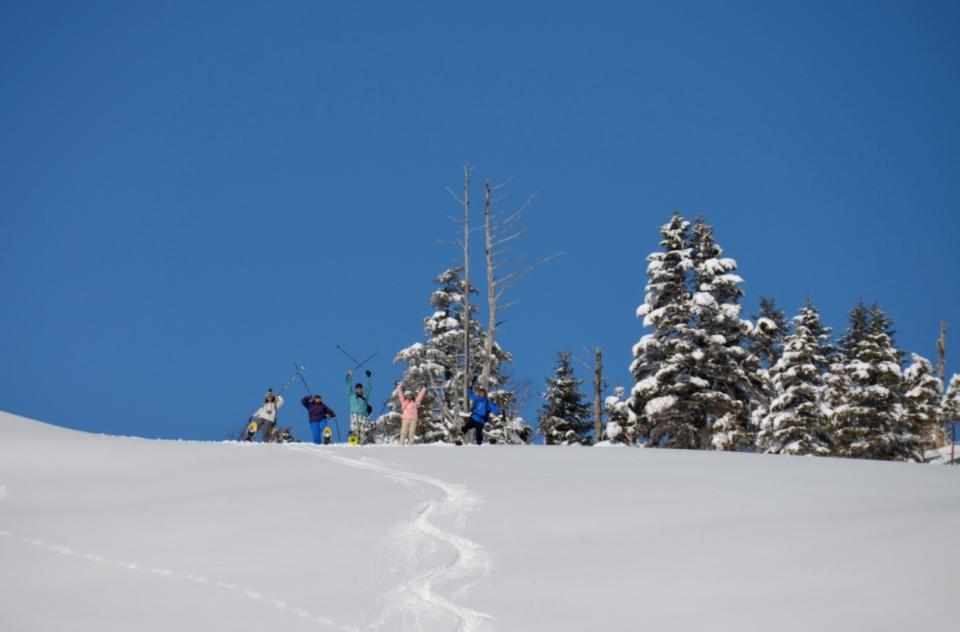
x,y
410,414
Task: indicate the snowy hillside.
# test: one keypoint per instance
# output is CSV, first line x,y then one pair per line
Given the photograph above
x,y
106,533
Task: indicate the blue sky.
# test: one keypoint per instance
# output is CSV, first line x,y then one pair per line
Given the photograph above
x,y
193,196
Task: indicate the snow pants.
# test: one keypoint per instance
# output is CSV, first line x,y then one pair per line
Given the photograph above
x,y
316,429
267,426
472,424
358,425
408,430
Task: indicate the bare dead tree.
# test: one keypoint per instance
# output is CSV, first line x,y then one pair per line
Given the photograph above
x,y
465,244
597,394
599,385
939,435
500,229
942,352
942,372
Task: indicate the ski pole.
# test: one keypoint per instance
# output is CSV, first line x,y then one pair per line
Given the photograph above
x,y
358,364
300,375
310,392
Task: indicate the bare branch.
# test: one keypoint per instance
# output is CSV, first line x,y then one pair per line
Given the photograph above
x,y
454,196
519,233
516,214
585,365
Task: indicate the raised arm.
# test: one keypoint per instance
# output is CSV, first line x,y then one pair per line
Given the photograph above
x,y
349,384
420,395
306,401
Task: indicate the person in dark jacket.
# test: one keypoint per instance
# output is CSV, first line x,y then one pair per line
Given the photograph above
x,y
481,409
318,413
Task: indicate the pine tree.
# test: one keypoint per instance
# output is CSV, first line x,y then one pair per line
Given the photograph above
x,y
795,422
663,386
866,421
950,406
721,359
621,424
694,379
836,380
564,417
921,408
765,344
437,365
770,330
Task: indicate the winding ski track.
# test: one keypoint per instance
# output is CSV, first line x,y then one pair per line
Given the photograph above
x,y
470,561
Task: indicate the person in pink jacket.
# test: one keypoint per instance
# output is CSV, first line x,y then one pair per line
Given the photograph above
x,y
409,413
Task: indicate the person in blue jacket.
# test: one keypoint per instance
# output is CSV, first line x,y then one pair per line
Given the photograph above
x,y
481,407
318,413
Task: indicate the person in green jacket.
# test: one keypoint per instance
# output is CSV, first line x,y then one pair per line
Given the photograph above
x,y
360,408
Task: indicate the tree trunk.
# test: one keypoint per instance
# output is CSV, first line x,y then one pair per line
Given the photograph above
x,y
491,284
597,394
466,294
942,372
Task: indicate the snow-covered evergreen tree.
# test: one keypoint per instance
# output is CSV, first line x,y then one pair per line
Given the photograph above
x,y
921,404
663,361
437,365
621,424
434,365
564,417
718,337
795,422
770,330
866,418
693,376
765,344
950,406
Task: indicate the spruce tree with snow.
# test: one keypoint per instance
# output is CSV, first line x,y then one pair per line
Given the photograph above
x,y
921,404
721,360
564,417
433,365
621,424
795,422
437,365
836,381
663,386
693,377
765,344
770,329
950,406
866,419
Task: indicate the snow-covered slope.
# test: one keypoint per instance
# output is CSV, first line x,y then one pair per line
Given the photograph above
x,y
107,533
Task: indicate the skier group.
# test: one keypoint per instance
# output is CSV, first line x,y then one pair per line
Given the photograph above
x,y
263,421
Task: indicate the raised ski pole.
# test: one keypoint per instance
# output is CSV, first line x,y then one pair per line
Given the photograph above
x,y
358,364
280,392
300,369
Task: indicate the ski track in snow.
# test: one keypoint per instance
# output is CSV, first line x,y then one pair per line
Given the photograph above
x,y
193,578
471,561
